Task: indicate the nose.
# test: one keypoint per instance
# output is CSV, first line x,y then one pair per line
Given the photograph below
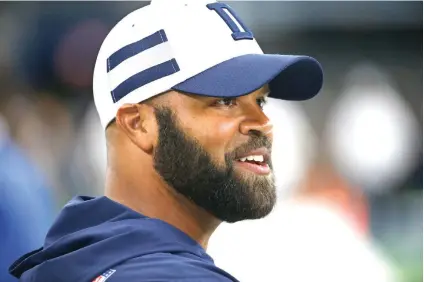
x,y
256,123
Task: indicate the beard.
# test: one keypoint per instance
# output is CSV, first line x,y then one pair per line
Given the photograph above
x,y
189,169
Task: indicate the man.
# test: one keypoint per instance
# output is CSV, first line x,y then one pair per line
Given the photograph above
x,y
179,87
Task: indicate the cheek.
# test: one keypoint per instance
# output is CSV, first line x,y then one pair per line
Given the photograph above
x,y
217,137
222,134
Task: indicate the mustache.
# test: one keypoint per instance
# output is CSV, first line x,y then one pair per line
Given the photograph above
x,y
255,142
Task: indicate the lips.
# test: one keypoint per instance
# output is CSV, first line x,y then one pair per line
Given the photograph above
x,y
258,169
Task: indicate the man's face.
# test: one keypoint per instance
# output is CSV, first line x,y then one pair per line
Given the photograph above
x,y
202,148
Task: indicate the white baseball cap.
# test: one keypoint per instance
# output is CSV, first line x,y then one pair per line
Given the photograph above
x,y
193,46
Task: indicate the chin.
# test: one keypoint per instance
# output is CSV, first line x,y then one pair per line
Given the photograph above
x,y
261,206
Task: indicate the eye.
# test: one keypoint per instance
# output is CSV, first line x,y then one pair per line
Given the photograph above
x,y
262,102
226,102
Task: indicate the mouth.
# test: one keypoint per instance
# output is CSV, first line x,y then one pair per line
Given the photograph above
x,y
256,161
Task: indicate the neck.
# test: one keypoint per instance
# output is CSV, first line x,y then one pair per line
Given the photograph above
x,y
155,199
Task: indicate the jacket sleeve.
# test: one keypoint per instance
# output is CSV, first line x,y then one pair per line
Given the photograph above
x,y
167,267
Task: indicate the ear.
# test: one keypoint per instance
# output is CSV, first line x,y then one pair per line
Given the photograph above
x,y
137,121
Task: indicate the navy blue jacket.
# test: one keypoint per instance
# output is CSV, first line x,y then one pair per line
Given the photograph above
x,y
97,239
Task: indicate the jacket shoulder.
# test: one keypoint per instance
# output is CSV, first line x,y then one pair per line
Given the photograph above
x,y
166,267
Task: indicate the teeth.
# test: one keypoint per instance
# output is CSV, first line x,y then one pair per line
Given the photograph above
x,y
259,158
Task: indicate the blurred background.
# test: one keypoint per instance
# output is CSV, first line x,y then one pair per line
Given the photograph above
x,y
348,163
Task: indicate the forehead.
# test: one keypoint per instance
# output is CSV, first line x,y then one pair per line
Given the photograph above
x,y
264,90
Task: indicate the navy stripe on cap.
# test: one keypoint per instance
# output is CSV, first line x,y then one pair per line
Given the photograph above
x,y
144,77
135,48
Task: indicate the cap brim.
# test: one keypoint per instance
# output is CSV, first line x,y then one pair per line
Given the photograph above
x,y
289,77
